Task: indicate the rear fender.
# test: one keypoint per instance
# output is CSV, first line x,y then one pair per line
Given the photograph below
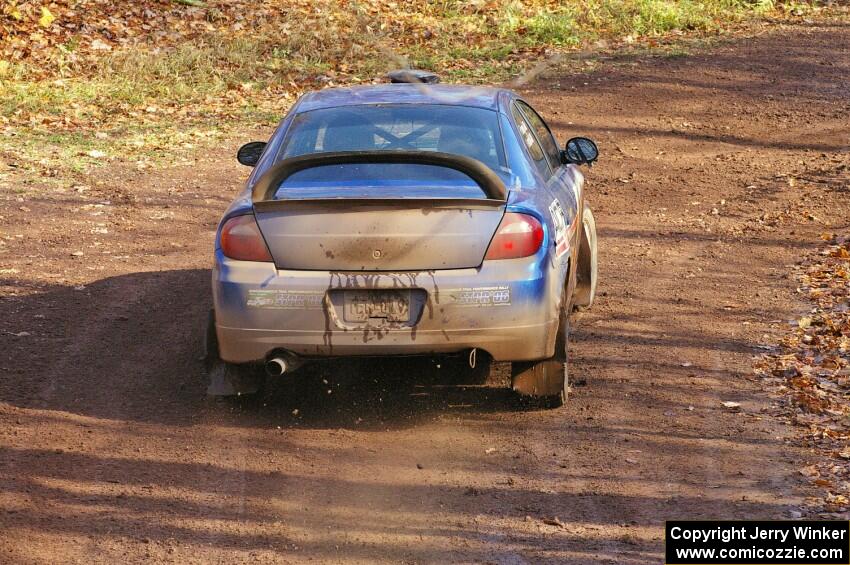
x,y
560,276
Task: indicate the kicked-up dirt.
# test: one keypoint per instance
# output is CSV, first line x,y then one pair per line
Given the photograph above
x,y
719,172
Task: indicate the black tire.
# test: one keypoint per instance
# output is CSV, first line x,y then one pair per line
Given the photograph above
x,y
479,374
210,342
547,381
462,373
227,379
587,272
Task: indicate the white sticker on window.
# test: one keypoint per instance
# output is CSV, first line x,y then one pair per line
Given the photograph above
x,y
526,134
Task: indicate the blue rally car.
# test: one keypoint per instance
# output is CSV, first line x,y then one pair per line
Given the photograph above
x,y
405,219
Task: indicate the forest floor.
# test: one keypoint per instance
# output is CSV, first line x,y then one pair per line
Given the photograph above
x,y
721,173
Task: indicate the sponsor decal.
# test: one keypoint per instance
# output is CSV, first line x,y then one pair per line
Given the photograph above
x,y
482,296
285,299
562,239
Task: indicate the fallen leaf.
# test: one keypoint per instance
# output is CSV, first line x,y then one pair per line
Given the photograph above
x,y
809,471
99,45
46,17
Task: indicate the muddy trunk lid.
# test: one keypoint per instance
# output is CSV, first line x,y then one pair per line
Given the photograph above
x,y
379,211
375,235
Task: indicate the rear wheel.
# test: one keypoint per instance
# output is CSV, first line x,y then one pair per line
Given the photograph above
x,y
227,379
463,371
547,380
586,273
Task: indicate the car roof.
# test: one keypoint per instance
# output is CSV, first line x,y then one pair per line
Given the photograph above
x,y
449,94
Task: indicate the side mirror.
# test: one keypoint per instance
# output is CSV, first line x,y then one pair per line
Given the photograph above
x,y
580,151
250,153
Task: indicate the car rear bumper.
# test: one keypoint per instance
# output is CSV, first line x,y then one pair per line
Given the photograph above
x,y
505,308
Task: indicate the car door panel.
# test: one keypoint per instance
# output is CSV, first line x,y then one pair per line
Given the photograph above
x,y
564,188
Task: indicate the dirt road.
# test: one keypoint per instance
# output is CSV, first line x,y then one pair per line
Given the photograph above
x,y
719,172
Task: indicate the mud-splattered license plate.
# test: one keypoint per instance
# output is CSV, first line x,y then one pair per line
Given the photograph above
x,y
390,305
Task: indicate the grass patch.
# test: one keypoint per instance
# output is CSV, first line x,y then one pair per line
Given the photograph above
x,y
342,42
161,88
550,26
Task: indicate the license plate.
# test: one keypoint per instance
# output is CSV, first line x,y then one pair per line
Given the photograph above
x,y
390,305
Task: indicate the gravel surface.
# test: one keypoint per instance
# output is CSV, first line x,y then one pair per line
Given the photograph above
x,y
719,172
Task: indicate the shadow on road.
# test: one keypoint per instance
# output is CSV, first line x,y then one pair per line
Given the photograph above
x,y
107,350
130,348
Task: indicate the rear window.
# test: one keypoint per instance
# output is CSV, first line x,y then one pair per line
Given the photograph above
x,y
379,180
473,132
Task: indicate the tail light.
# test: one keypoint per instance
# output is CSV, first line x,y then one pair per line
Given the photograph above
x,y
241,239
519,235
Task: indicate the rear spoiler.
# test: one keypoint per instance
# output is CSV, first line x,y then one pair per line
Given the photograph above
x,y
267,186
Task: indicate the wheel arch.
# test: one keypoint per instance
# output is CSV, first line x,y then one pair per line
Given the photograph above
x,y
586,264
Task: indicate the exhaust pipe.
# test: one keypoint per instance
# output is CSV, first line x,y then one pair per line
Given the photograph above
x,y
276,366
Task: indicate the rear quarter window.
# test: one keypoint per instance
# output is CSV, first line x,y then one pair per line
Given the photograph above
x,y
530,141
547,141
